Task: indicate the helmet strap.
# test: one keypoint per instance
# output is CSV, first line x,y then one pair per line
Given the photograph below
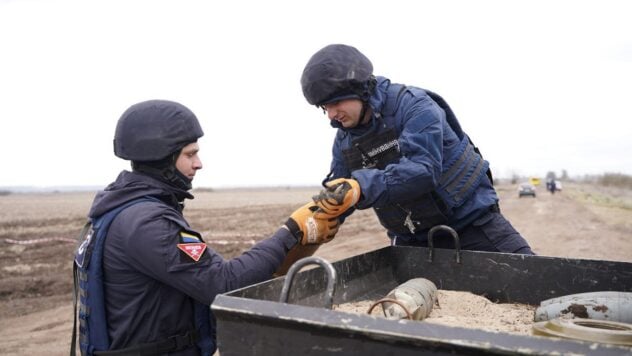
x,y
165,170
365,108
366,95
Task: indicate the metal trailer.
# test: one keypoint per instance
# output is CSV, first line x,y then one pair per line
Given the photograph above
x,y
253,321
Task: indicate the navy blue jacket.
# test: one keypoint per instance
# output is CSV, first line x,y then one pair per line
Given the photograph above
x,y
427,145
150,283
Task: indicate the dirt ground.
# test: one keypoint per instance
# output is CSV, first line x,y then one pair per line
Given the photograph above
x,y
36,247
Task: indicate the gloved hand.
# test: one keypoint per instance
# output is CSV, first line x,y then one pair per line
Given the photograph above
x,y
340,195
309,229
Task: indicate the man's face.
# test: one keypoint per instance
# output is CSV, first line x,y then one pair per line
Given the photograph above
x,y
188,161
346,112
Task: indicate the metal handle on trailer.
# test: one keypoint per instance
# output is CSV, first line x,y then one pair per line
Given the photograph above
x,y
457,242
329,271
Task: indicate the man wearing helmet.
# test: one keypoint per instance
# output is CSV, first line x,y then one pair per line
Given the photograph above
x,y
145,277
401,151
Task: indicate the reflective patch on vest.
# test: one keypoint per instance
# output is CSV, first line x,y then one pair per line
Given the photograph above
x,y
84,252
193,250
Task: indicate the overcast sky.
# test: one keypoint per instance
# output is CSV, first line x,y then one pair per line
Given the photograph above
x,y
538,85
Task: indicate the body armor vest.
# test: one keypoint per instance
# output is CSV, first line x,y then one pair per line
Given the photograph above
x,y
88,291
463,169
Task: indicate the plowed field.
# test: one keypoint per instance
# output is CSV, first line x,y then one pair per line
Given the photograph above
x,y
36,257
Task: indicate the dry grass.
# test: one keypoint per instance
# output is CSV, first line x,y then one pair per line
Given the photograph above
x,y
609,203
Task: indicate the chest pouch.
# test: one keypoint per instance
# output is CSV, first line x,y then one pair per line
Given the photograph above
x,y
375,150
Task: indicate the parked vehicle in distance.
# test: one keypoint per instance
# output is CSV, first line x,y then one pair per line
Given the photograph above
x,y
535,181
526,189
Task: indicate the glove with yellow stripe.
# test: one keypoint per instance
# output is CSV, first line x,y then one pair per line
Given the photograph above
x,y
339,196
309,229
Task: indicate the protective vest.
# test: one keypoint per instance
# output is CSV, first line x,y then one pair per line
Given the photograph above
x,y
88,286
462,169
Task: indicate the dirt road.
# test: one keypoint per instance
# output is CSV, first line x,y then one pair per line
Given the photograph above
x,y
35,279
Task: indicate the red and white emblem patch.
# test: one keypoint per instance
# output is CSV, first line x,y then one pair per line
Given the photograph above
x,y
194,250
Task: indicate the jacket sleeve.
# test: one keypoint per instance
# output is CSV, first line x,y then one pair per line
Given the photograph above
x,y
156,254
417,172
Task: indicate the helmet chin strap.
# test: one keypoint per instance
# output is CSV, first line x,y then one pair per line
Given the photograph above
x,y
366,95
174,177
363,115
165,170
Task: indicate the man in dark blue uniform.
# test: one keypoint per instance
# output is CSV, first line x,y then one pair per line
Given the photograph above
x,y
158,275
401,151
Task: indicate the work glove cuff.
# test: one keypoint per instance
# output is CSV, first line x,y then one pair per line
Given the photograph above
x,y
294,229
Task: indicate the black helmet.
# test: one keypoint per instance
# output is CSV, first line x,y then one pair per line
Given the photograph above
x,y
152,130
335,73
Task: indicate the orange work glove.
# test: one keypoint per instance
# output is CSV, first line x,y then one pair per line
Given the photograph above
x,y
340,195
309,229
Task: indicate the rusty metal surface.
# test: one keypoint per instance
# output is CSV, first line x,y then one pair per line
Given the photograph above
x,y
612,306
